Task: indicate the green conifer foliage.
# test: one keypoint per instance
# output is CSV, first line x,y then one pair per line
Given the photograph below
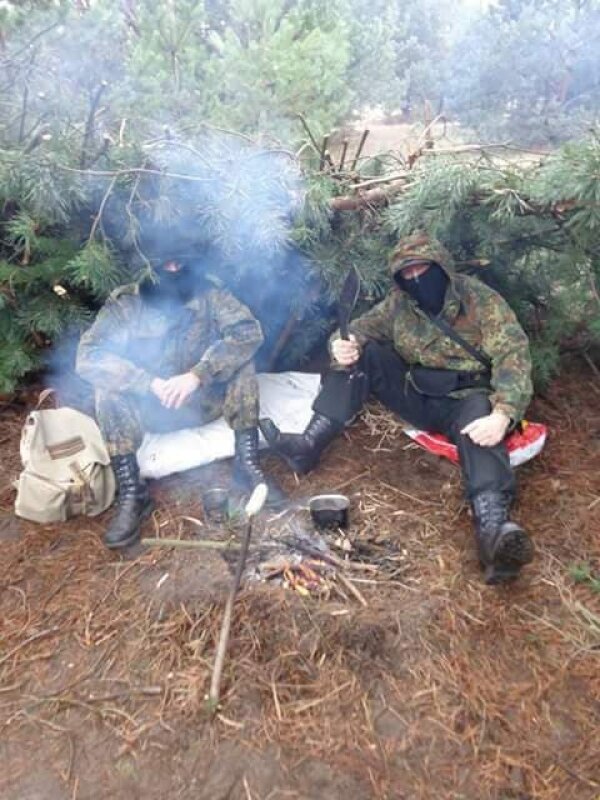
x,y
111,129
528,69
530,230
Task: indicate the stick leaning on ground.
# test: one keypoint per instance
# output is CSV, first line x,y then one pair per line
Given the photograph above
x,y
254,505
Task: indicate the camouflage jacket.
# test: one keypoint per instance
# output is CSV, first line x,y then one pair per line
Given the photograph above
x,y
474,311
131,342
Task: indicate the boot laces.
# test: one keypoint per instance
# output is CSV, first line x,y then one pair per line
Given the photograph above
x,y
127,476
491,511
247,457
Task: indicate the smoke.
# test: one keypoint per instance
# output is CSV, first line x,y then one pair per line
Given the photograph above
x,y
150,185
221,207
222,192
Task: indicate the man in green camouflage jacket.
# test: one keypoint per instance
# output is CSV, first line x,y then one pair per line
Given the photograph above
x,y
472,390
166,354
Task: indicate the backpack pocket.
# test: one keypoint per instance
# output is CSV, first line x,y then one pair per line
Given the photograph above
x,y
39,499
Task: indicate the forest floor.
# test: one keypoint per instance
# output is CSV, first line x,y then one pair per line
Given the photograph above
x,y
433,686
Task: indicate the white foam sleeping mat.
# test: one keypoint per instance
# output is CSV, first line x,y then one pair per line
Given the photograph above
x,y
286,397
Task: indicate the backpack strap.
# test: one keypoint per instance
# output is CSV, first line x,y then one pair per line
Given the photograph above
x,y
84,488
449,331
44,395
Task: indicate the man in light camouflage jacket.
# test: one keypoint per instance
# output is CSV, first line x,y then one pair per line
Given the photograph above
x,y
473,392
171,353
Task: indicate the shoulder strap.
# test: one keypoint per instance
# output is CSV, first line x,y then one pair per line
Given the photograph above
x,y
452,334
44,395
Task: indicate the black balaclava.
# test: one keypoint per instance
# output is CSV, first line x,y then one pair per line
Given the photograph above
x,y
171,289
427,290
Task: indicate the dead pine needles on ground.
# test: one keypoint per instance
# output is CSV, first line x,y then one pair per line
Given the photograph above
x,y
437,687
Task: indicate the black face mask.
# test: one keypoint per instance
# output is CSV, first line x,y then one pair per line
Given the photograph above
x,y
427,290
172,289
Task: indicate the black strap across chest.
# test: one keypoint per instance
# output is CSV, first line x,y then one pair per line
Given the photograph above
x,y
449,331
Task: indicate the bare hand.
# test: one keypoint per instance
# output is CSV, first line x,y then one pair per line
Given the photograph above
x,y
174,392
345,351
488,431
157,387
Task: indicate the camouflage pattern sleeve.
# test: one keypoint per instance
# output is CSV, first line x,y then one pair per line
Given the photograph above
x,y
98,356
506,343
377,324
239,336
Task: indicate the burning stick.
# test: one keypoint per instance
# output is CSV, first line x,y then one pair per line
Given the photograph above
x,y
254,505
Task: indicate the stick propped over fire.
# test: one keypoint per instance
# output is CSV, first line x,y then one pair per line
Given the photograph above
x,y
253,507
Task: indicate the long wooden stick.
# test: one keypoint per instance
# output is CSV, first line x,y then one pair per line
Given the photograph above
x,y
255,503
351,588
343,155
312,139
192,544
361,144
323,153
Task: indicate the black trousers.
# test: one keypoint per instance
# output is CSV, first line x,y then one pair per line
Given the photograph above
x,y
344,392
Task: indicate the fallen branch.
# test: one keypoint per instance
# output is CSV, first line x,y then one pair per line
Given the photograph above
x,y
34,638
192,544
374,197
347,584
381,179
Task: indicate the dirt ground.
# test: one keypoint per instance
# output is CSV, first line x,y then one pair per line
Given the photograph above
x,y
438,687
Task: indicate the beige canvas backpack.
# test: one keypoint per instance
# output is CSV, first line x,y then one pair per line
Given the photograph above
x,y
66,467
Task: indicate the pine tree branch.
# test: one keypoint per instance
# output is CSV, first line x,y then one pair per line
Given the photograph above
x,y
98,217
11,58
383,179
89,125
134,171
133,223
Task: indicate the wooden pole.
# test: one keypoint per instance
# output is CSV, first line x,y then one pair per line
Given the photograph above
x,y
361,144
323,154
254,505
192,544
343,155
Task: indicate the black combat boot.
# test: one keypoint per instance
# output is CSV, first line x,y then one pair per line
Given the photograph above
x,y
247,472
504,547
301,451
133,504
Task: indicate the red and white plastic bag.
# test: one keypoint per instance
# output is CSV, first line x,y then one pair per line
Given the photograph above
x,y
523,444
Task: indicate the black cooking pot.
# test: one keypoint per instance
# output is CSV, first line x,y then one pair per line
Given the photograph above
x,y
329,510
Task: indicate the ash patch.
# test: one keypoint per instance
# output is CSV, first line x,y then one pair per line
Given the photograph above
x,y
187,578
11,528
